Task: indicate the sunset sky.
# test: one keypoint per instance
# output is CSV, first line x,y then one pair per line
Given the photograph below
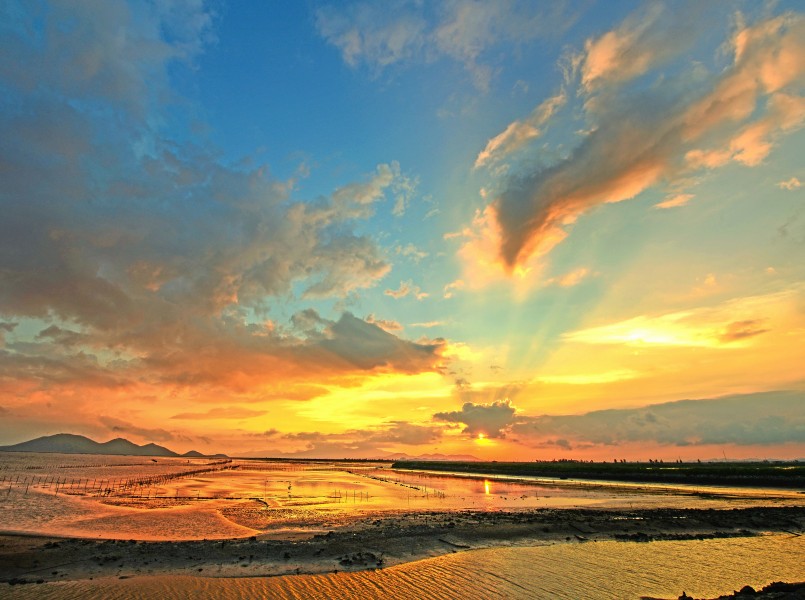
x,y
512,230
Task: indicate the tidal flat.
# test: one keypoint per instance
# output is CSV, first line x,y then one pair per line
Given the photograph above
x,y
82,526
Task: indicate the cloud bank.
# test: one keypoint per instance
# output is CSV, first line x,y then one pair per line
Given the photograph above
x,y
764,418
758,419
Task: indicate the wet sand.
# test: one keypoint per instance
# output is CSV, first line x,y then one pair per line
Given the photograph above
x,y
372,542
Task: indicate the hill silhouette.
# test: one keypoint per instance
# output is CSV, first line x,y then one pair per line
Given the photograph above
x,y
68,443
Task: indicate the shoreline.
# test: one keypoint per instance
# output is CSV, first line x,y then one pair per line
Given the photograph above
x,y
372,542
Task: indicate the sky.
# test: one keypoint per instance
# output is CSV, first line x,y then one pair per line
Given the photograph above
x,y
511,230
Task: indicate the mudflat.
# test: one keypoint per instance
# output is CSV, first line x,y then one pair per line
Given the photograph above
x,y
373,542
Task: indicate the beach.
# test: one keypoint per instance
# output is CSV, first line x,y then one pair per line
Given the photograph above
x,y
376,543
315,524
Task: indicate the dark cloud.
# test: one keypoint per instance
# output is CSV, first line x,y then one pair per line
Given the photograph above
x,y
5,328
740,330
269,433
462,383
763,418
32,366
119,427
366,346
64,337
492,420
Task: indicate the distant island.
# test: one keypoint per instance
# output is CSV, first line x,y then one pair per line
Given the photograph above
x,y
68,443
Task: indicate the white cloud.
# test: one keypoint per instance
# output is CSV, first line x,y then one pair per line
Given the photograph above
x,y
428,324
571,278
403,190
411,251
465,31
451,288
790,184
368,33
520,133
675,201
407,288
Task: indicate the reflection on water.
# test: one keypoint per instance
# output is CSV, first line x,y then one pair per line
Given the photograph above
x,y
621,570
148,499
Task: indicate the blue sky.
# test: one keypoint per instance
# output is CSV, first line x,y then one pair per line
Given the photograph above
x,y
362,228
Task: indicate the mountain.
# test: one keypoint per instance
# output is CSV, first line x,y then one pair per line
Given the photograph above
x,y
193,454
67,443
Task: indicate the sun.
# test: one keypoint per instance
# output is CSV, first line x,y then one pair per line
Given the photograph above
x,y
482,439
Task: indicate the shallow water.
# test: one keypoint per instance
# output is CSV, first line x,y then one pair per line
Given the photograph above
x,y
704,568
257,496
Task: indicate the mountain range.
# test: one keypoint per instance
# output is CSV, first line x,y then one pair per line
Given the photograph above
x,y
68,443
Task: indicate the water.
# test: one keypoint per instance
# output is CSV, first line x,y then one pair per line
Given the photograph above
x,y
262,498
617,570
93,499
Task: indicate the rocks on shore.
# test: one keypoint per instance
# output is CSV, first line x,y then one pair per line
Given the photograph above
x,y
778,590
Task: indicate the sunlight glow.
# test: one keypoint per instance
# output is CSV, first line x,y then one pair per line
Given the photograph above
x,y
483,440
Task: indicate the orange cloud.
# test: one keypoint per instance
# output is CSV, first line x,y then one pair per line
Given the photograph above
x,y
675,201
385,324
407,288
450,288
519,133
637,144
727,325
617,55
570,279
791,184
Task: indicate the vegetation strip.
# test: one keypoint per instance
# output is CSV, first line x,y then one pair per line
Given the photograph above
x,y
748,474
